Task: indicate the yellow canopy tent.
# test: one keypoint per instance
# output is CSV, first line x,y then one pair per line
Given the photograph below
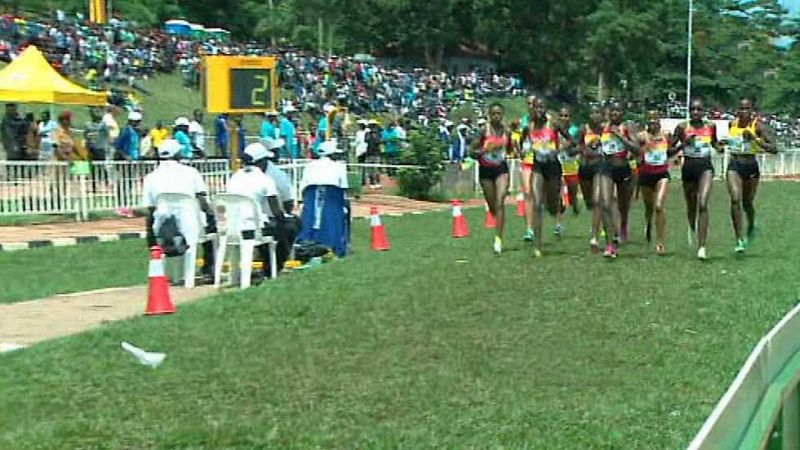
x,y
31,79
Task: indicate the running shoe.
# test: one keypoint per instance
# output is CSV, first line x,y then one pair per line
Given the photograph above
x,y
537,253
661,250
751,235
498,245
701,254
611,251
528,236
690,236
741,246
594,245
559,230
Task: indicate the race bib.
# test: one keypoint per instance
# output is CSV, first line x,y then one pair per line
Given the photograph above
x,y
493,158
611,145
656,157
700,148
543,148
738,145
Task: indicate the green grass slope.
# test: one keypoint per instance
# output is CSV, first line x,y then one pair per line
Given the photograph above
x,y
415,348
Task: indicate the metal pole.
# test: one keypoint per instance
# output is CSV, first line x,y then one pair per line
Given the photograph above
x,y
689,60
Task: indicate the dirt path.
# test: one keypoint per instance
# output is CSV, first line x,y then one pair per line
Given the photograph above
x,y
29,322
34,321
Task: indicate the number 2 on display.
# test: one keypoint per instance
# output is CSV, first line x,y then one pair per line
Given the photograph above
x,y
257,94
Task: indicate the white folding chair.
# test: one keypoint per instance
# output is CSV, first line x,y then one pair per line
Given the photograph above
x,y
238,214
192,224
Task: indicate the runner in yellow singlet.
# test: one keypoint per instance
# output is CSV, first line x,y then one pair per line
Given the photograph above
x,y
747,136
526,156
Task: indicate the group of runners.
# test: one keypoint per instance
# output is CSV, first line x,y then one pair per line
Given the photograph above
x,y
611,161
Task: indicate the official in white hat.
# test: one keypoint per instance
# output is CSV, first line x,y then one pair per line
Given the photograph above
x,y
173,177
253,182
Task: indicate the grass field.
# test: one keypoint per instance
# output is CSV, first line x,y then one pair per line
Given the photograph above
x,y
437,343
42,272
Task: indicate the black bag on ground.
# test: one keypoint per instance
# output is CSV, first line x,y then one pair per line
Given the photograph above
x,y
306,251
170,239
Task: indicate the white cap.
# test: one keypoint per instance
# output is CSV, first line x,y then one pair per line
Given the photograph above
x,y
256,151
289,109
271,113
181,121
328,108
481,121
448,123
272,143
328,148
462,126
135,116
168,148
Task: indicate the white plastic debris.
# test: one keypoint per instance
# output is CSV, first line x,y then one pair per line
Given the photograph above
x,y
6,347
149,359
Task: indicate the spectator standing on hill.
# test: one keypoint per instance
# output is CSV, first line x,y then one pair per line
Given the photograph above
x,y
96,135
14,134
391,145
222,134
67,148
197,133
181,135
269,128
46,128
157,135
373,139
112,125
32,140
288,133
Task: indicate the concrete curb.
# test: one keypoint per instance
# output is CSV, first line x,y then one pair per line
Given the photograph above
x,y
70,241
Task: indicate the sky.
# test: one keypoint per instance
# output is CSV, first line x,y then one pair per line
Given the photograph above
x,y
793,5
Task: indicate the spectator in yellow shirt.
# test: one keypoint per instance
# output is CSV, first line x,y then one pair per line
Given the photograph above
x,y
158,134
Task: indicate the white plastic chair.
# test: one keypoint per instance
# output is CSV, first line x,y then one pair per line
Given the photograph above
x,y
238,214
192,224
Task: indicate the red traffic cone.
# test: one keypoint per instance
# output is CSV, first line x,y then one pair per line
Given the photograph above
x,y
460,227
379,239
565,200
158,300
520,205
489,222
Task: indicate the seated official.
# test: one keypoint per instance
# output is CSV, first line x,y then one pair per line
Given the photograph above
x,y
326,212
252,181
172,177
282,179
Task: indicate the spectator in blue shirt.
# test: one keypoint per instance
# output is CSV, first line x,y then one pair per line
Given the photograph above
x,y
269,126
391,145
127,144
222,134
181,134
288,134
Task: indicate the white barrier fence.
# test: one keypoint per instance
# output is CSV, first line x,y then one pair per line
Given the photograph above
x,y
45,188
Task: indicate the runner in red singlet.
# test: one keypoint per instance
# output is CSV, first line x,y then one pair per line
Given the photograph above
x,y
546,181
591,150
697,139
490,150
654,177
617,142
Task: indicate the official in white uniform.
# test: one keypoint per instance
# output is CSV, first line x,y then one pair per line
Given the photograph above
x,y
172,177
327,170
252,181
283,181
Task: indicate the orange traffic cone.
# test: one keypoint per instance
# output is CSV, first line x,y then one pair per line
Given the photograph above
x,y
489,222
158,300
565,200
520,205
460,227
379,239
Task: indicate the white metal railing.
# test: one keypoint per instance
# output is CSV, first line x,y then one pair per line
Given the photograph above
x,y
42,188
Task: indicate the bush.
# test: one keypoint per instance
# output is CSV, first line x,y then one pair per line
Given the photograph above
x,y
425,149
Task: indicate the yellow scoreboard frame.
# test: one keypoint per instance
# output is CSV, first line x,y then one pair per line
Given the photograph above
x,y
240,84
